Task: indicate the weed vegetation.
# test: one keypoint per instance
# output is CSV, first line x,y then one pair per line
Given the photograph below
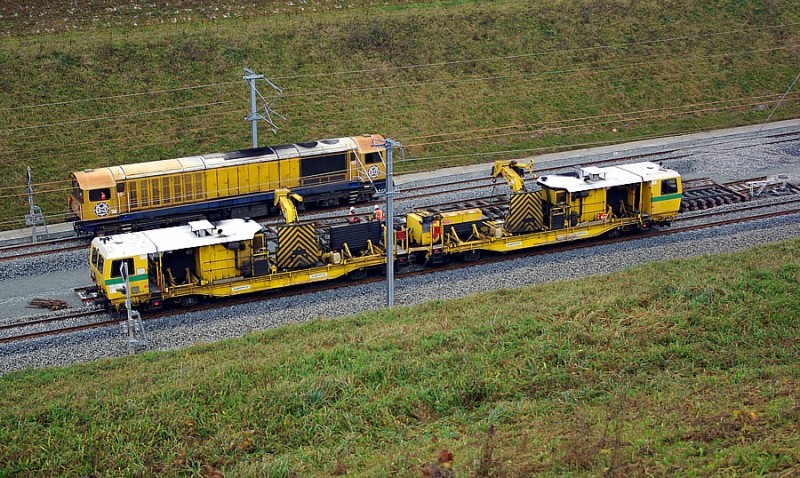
x,y
456,82
684,368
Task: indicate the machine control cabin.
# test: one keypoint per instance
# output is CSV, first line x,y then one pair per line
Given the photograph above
x,y
644,190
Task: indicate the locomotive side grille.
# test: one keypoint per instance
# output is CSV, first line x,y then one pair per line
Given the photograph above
x,y
323,169
524,213
297,246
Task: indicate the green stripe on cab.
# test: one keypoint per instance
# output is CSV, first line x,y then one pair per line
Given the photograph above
x,y
118,280
666,197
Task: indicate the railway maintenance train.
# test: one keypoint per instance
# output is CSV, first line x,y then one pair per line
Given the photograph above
x,y
225,185
186,264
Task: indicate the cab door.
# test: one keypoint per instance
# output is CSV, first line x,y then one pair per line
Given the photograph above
x,y
666,196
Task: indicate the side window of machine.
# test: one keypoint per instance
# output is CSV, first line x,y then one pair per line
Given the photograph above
x,y
116,267
99,194
372,158
669,186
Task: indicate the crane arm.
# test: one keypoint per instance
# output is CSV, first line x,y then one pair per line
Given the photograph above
x,y
512,172
284,198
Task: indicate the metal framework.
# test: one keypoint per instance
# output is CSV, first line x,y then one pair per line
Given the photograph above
x,y
255,112
133,327
390,193
34,216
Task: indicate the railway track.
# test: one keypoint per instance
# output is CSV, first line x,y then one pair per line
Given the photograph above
x,y
418,192
16,332
699,194
705,193
55,246
102,320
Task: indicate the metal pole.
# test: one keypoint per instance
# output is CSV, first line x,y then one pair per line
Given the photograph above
x,y
134,322
253,123
390,192
32,208
251,78
254,116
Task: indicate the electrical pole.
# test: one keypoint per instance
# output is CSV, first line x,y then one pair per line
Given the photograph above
x,y
34,215
255,113
390,192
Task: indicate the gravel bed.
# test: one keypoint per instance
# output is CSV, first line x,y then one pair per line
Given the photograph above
x,y
210,326
37,265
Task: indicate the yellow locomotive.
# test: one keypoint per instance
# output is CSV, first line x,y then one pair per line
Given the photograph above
x,y
225,185
186,263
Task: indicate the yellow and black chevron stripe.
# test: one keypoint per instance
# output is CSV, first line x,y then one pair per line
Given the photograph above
x,y
297,246
524,213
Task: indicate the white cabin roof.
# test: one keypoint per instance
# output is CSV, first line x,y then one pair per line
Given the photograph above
x,y
192,235
593,177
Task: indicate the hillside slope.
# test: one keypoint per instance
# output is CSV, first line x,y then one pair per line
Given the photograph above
x,y
455,82
684,368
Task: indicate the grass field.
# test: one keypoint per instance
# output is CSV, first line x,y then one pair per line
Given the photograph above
x,y
685,368
456,82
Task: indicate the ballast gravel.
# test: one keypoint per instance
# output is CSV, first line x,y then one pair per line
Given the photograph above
x,y
214,325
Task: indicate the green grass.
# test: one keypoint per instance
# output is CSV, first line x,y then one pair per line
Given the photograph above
x,y
684,368
87,88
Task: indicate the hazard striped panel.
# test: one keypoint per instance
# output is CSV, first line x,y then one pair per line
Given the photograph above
x,y
524,213
297,246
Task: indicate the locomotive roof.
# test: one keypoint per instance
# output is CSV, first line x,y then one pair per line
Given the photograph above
x,y
192,235
594,177
363,143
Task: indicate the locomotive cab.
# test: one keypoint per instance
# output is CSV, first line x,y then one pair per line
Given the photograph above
x,y
93,195
106,259
642,191
661,197
368,163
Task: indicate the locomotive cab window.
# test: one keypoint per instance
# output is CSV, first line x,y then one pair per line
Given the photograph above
x,y
77,191
99,194
95,255
669,186
116,267
372,158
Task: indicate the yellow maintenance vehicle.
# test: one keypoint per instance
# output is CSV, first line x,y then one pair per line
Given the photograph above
x,y
555,208
185,264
